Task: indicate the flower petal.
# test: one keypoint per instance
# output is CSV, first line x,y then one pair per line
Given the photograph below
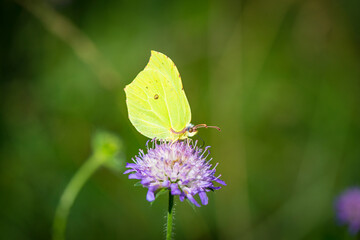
x,y
166,184
204,198
182,197
145,181
131,165
150,196
135,176
129,171
220,181
192,200
175,189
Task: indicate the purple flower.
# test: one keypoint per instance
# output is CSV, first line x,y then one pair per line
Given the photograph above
x,y
348,209
180,167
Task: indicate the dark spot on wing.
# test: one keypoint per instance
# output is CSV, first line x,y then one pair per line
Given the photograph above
x,y
156,96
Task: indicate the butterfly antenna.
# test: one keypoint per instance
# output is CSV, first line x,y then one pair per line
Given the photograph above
x,y
203,125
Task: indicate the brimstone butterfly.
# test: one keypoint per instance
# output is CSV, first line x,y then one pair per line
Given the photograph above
x,y
157,104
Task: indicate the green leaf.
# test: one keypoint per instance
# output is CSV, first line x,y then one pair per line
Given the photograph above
x,y
159,193
137,184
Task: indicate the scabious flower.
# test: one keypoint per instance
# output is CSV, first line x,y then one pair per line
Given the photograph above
x,y
180,167
347,208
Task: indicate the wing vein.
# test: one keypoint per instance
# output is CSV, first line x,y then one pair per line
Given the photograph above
x,y
148,110
150,123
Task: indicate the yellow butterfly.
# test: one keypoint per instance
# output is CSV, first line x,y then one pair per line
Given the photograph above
x,y
157,104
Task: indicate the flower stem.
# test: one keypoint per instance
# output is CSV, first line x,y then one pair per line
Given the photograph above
x,y
70,193
170,216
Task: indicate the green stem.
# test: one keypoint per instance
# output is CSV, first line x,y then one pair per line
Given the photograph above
x,y
170,216
70,193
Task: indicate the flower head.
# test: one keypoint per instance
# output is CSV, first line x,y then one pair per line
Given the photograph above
x,y
348,209
180,167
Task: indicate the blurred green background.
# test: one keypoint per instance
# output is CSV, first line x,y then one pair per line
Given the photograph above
x,y
281,78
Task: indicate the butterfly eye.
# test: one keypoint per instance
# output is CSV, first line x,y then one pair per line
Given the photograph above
x,y
190,130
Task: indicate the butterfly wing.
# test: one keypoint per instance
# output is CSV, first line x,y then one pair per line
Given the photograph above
x,y
178,105
156,100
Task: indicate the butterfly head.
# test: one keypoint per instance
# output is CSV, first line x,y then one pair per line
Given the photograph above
x,y
192,130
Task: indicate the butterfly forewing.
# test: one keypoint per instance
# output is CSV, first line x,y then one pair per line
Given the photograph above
x,y
163,64
156,100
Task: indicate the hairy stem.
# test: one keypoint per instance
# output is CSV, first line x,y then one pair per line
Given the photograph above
x,y
170,216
